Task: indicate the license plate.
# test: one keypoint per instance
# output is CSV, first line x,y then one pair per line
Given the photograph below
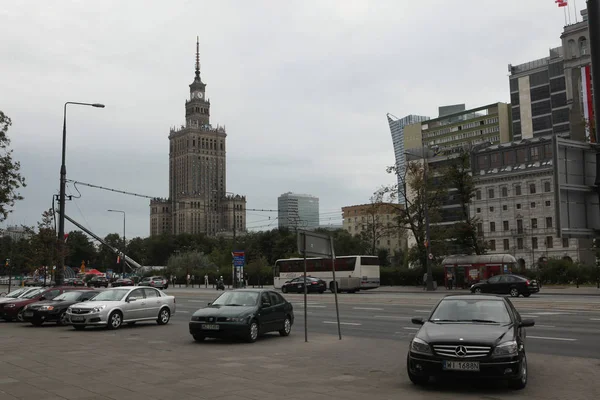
x,y
28,314
77,319
210,327
461,365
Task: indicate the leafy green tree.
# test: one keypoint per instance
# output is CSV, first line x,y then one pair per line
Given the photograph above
x,y
43,243
10,176
107,259
194,263
79,248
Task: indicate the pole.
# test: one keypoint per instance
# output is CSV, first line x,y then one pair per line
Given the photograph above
x,y
124,246
337,307
305,291
426,212
233,277
593,9
59,276
9,265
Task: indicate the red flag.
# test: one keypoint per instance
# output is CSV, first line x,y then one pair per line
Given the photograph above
x,y
561,3
66,237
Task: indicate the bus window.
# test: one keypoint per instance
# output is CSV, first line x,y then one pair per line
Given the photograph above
x,y
369,260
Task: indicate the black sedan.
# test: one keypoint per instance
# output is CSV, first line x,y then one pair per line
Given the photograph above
x,y
54,310
245,313
514,285
297,285
470,336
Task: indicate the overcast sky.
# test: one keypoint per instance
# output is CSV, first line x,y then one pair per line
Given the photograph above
x,y
303,88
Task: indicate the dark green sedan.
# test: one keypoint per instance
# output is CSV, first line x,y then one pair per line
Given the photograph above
x,y
245,313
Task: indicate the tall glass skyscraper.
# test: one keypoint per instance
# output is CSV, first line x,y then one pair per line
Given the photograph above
x,y
298,211
397,129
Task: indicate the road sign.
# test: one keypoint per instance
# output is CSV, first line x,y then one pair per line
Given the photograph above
x,y
430,256
316,245
239,259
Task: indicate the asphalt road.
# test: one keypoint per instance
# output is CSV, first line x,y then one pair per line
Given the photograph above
x,y
567,327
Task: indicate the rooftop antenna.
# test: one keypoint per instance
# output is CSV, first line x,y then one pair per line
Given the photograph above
x,y
197,58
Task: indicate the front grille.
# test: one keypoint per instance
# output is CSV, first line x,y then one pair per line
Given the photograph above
x,y
461,351
79,311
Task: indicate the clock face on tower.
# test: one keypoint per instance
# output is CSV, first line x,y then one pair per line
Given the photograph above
x,y
197,95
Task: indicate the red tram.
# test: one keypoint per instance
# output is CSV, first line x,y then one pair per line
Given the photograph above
x,y
466,270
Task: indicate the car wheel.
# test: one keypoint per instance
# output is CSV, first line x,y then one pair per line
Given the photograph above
x,y
416,379
164,316
37,323
115,319
477,290
62,319
283,289
519,384
526,294
20,316
198,338
79,327
287,327
252,332
514,292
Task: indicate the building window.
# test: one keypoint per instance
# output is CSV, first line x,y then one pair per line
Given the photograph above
x,y
520,243
548,222
504,191
519,226
490,193
532,188
533,223
565,242
492,227
478,210
519,206
504,207
492,245
549,242
480,229
505,225
478,195
491,209
506,245
548,203
582,46
534,152
546,187
532,205
534,244
518,190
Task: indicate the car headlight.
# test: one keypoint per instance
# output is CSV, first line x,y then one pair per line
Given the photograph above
x,y
506,349
420,346
98,309
47,308
10,306
236,319
70,310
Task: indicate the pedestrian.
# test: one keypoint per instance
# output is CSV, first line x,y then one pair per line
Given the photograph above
x,y
425,281
188,280
206,280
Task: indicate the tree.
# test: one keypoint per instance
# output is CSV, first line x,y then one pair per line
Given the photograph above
x,y
416,193
107,258
10,177
193,262
79,248
464,232
43,243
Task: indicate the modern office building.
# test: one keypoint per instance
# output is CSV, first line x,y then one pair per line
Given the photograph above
x,y
553,95
198,199
298,211
397,130
376,222
519,196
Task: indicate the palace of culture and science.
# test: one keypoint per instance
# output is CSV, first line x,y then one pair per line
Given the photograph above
x,y
198,201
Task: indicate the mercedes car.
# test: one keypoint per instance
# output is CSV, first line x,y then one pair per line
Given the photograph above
x,y
470,336
245,313
126,304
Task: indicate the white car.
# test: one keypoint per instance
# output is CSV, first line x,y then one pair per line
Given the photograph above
x,y
127,304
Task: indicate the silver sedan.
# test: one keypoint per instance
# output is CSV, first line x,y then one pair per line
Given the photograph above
x,y
127,304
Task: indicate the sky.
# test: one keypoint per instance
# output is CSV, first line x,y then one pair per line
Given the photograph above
x,y
302,86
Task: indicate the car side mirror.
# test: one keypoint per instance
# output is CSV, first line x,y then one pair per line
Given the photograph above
x,y
527,323
417,321
265,305
209,303
129,300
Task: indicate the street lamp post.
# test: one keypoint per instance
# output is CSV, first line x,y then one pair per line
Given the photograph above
x,y
124,241
63,183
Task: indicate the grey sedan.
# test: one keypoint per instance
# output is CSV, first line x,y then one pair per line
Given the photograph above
x,y
128,304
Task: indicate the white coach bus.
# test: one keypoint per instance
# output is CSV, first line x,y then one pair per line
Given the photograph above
x,y
352,273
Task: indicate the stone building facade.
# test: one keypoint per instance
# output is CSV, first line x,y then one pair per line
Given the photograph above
x,y
198,201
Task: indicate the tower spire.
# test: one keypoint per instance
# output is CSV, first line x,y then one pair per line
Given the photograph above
x,y
197,58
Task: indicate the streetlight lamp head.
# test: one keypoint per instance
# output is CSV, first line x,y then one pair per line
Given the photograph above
x,y
98,105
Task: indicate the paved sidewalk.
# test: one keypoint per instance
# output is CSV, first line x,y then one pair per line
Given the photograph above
x,y
150,362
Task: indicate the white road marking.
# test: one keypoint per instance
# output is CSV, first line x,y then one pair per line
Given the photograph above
x,y
594,319
367,308
310,306
423,311
530,315
390,317
342,323
551,338
544,326
549,313
181,311
410,328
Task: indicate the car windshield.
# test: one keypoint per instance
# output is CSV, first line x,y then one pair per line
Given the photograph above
x,y
32,294
68,296
237,299
471,310
16,293
111,295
